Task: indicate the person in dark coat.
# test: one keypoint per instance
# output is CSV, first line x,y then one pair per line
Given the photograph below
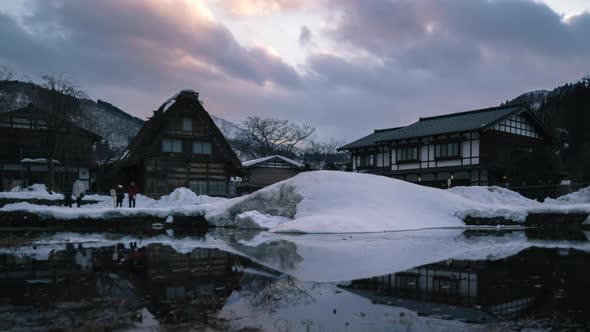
x,y
132,192
68,199
120,196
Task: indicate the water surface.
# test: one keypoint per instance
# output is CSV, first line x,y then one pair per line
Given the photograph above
x,y
234,280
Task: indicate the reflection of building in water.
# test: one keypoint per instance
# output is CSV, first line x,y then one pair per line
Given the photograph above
x,y
185,287
174,287
506,288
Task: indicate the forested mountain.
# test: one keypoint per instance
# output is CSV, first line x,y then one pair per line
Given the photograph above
x,y
566,111
114,125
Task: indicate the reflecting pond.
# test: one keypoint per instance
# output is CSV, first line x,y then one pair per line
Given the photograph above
x,y
448,279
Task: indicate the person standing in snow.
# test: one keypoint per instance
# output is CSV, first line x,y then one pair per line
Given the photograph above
x,y
132,192
120,196
67,199
78,190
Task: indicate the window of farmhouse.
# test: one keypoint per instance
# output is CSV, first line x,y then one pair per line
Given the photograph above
x,y
201,147
447,150
187,124
409,153
366,160
171,145
217,188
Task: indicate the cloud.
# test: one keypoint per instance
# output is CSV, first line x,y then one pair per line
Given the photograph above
x,y
396,28
139,41
304,36
259,7
370,64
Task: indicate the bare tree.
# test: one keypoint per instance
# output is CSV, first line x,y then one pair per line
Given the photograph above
x,y
62,105
323,155
6,74
266,136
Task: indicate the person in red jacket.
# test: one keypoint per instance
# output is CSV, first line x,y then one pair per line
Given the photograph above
x,y
132,192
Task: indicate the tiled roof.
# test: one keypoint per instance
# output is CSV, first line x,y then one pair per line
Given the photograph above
x,y
454,123
369,140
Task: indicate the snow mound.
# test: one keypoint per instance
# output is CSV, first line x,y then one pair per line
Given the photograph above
x,y
581,196
494,195
35,191
339,202
183,197
256,220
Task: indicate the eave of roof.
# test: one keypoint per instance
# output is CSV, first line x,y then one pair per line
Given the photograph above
x,y
369,140
254,162
454,123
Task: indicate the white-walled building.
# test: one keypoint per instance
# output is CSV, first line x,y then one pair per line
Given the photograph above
x,y
481,147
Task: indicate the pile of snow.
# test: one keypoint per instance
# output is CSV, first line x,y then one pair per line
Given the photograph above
x,y
494,195
184,197
340,202
581,196
327,202
181,201
35,191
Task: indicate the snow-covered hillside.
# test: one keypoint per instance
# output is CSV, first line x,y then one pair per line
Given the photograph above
x,y
229,129
110,122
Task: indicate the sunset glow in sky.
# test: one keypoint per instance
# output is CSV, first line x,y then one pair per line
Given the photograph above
x,y
343,66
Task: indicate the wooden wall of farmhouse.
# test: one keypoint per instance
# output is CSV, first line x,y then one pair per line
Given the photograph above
x,y
162,171
262,177
24,134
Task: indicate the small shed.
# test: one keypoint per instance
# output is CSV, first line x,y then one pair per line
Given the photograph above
x,y
265,171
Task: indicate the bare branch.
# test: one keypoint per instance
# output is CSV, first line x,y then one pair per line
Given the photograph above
x,y
265,136
6,74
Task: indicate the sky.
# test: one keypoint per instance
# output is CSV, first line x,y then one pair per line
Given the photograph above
x,y
345,67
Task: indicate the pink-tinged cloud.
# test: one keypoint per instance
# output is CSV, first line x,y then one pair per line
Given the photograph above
x,y
404,58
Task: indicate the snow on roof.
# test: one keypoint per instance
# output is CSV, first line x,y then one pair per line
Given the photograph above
x,y
253,162
170,101
38,161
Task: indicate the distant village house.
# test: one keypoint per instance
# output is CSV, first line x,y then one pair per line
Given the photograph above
x,y
32,138
263,172
505,145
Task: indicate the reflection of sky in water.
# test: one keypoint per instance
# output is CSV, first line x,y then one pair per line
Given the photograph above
x,y
293,282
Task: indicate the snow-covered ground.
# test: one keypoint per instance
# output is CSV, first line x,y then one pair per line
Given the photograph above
x,y
36,191
331,202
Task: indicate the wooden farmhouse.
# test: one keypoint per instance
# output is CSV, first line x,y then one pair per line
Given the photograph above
x,y
505,145
262,172
180,146
31,137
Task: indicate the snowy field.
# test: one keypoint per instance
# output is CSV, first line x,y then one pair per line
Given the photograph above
x,y
330,202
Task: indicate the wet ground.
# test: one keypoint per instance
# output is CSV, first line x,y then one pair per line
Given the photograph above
x,y
448,280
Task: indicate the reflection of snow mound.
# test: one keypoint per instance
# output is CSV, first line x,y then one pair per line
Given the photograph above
x,y
493,195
